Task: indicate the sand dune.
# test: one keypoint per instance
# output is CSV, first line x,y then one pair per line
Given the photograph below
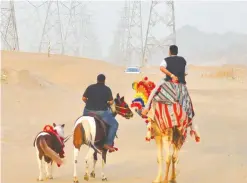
x,y
37,90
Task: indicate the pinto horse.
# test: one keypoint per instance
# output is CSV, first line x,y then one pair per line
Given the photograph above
x,y
49,145
92,131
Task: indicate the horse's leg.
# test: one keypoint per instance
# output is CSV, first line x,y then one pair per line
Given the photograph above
x,y
76,152
159,144
40,164
89,155
48,167
104,178
174,163
167,146
51,167
77,142
92,174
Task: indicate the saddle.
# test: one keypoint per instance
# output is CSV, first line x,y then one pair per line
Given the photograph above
x,y
99,120
101,125
101,130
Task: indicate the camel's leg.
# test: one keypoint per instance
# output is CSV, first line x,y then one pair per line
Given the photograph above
x,y
48,167
174,163
159,144
89,155
167,146
92,174
76,153
104,178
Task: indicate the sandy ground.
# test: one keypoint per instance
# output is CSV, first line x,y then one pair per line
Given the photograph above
x,y
37,90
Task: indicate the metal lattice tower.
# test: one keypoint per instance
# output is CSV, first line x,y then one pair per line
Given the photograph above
x,y
35,23
74,37
134,46
52,36
166,18
91,47
124,28
9,35
118,48
63,31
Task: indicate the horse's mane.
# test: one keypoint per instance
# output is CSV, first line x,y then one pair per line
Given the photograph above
x,y
142,89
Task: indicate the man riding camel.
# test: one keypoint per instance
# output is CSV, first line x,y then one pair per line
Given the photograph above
x,y
175,69
98,97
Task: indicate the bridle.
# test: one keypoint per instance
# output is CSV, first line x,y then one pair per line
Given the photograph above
x,y
119,110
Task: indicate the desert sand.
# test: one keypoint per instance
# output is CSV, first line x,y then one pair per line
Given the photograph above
x,y
37,90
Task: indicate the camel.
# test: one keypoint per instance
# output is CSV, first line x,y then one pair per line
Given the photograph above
x,y
167,122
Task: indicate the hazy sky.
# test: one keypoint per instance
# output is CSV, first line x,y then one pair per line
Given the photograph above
x,y
208,16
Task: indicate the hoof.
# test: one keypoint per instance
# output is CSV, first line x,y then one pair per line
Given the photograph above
x,y
172,181
92,174
104,179
75,180
40,179
49,177
158,179
86,177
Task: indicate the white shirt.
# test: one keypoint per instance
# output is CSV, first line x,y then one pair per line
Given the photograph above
x,y
164,64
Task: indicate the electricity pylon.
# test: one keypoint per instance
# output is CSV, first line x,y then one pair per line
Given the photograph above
x,y
9,34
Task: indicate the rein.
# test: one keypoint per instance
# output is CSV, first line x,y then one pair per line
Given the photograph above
x,y
67,138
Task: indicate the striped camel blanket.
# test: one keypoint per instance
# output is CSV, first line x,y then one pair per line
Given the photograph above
x,y
170,107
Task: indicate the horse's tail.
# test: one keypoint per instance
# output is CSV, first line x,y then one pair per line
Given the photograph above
x,y
79,136
48,151
34,142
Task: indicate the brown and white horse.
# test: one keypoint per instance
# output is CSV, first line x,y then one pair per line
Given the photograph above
x,y
49,145
92,131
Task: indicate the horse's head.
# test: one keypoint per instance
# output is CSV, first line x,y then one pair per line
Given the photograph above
x,y
59,129
121,107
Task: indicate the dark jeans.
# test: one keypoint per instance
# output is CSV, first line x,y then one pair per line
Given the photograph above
x,y
110,120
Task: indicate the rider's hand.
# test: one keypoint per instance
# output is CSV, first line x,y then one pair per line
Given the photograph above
x,y
110,102
174,78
